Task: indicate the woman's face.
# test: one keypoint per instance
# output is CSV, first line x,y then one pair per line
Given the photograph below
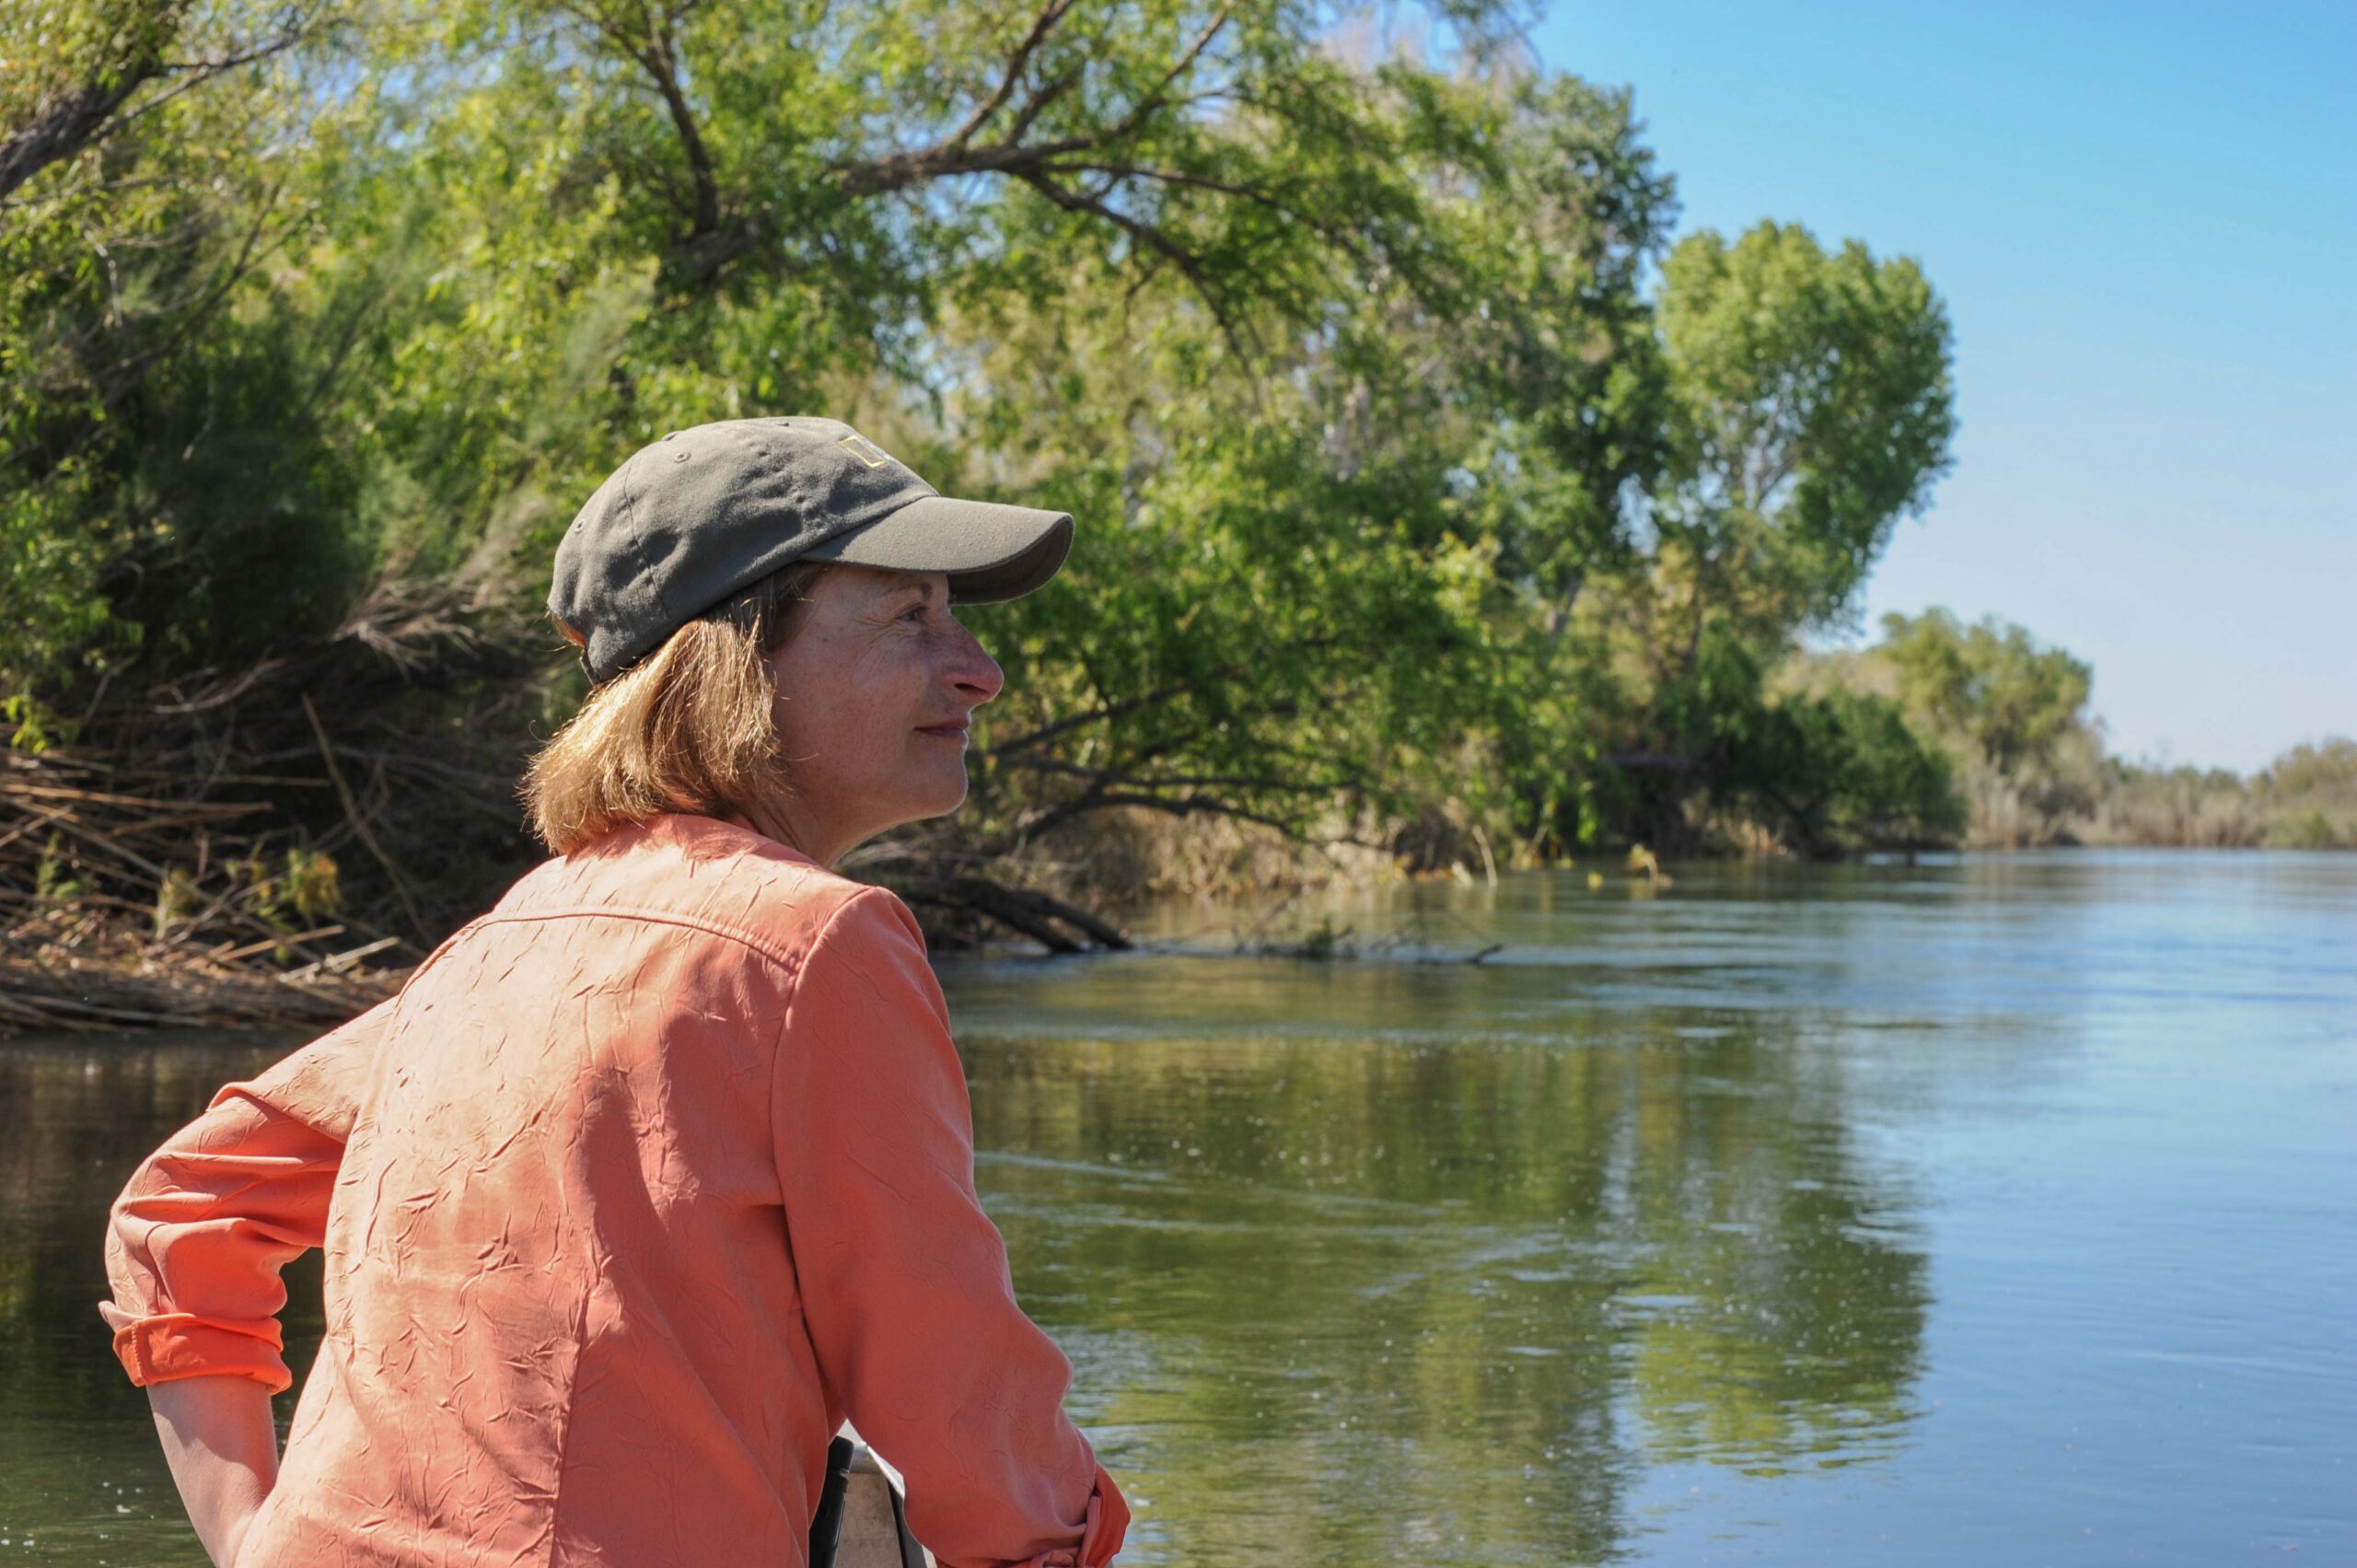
x,y
873,693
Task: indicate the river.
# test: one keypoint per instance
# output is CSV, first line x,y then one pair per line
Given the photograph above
x,y
1996,1209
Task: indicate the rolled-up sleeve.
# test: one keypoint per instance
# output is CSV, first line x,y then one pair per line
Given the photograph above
x,y
906,1292
201,1231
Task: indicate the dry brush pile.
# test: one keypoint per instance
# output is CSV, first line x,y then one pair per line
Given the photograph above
x,y
272,845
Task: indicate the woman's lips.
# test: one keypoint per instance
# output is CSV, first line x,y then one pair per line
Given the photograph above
x,y
942,731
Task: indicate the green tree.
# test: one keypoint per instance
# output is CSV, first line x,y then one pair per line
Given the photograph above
x,y
1990,684
1815,410
475,252
1823,772
1337,589
1184,269
1810,410
1400,496
2310,795
1842,770
143,187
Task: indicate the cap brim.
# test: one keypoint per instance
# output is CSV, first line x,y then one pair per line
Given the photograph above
x,y
991,553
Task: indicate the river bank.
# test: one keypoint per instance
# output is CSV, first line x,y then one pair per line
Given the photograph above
x,y
279,845
153,910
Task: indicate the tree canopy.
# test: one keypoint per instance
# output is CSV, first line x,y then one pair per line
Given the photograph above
x,y
1419,475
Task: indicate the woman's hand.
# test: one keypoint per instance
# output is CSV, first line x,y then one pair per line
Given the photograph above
x,y
223,1448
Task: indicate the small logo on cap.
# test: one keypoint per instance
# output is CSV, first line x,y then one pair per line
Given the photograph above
x,y
867,451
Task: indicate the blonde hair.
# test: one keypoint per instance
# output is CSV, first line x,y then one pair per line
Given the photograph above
x,y
689,728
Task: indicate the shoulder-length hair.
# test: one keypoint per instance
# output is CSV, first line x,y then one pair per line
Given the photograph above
x,y
689,728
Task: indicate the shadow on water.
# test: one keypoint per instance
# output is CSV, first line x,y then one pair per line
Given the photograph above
x,y
81,1477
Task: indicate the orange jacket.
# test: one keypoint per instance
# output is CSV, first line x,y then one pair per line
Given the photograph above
x,y
649,1177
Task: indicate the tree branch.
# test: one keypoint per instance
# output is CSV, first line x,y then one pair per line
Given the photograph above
x,y
954,154
1110,710
1183,806
1021,58
713,238
662,62
70,123
1189,265
1109,777
1340,238
1033,913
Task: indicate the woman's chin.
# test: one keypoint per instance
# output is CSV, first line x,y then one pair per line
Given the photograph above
x,y
945,796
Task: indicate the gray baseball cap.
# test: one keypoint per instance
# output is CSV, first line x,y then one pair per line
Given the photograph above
x,y
704,512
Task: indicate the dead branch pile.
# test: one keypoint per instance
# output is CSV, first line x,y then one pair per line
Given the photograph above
x,y
265,846
75,969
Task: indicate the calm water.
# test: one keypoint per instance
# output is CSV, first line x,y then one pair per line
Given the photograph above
x,y
2002,1210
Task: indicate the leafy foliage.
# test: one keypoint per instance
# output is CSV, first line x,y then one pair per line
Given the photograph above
x,y
2009,713
1401,499
1990,684
1815,412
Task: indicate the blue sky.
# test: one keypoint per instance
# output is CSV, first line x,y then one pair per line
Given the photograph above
x,y
2143,222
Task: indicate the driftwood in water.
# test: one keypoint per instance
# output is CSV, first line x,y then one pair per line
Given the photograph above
x,y
1055,924
69,970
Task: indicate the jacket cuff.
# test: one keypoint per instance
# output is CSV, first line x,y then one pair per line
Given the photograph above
x,y
173,1346
1109,1521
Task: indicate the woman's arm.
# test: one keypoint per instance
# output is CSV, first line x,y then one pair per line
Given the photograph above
x,y
905,1289
223,1448
193,1252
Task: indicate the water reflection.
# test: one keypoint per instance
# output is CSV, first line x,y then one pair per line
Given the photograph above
x,y
1454,1297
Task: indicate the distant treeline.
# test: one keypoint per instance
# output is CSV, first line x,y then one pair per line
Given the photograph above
x,y
2028,761
1430,500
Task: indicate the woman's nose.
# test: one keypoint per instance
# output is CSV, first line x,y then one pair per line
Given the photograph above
x,y
975,674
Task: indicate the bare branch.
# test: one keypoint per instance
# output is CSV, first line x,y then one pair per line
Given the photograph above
x,y
1342,240
1191,806
1034,913
1160,694
1112,776
1110,710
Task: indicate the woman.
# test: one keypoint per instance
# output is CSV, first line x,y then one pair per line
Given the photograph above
x,y
656,1172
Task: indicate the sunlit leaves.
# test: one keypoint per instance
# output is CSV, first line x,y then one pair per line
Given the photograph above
x,y
1814,411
